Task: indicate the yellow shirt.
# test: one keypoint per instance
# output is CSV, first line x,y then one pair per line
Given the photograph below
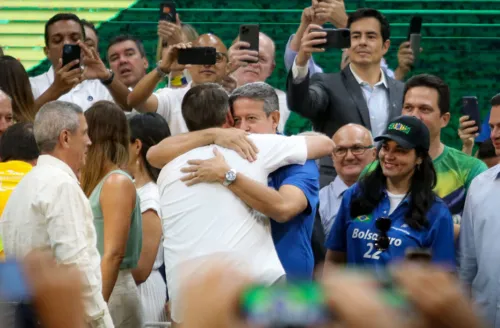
x,y
10,174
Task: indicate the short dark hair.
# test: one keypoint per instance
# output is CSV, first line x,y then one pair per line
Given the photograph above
x,y
128,37
18,143
61,17
495,101
486,150
385,28
433,82
205,106
89,25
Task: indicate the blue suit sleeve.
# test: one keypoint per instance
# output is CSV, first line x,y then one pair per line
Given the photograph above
x,y
306,178
440,238
337,239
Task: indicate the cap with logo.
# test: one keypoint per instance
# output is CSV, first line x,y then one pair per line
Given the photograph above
x,y
408,131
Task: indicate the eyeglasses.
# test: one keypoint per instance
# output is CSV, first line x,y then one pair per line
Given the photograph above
x,y
355,150
219,56
383,224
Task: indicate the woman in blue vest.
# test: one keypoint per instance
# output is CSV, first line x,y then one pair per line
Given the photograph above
x,y
393,210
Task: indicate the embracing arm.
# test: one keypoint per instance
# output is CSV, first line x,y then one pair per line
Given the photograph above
x,y
117,203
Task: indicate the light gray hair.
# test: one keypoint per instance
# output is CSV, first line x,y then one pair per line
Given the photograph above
x,y
257,91
51,120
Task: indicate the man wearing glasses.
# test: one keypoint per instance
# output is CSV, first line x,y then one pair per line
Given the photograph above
x,y
167,101
353,151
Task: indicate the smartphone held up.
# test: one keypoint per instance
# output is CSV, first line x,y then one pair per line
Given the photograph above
x,y
335,38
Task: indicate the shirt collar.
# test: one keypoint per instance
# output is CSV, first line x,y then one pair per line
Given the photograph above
x,y
361,82
49,160
339,186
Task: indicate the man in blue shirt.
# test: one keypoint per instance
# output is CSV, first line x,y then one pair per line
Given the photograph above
x,y
291,201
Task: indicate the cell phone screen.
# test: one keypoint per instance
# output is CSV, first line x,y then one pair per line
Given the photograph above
x,y
13,286
168,12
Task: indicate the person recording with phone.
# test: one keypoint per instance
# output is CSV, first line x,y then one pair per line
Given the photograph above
x,y
394,208
85,79
362,93
167,101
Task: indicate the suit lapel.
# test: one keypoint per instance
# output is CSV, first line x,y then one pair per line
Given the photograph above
x,y
356,94
393,100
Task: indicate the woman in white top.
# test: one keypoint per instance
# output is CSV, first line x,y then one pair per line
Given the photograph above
x,y
147,130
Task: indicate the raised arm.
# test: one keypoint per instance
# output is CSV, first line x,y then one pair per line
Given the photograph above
x,y
172,147
318,145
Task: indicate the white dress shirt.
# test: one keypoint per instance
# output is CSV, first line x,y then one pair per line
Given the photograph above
x,y
479,245
284,111
49,210
84,94
376,97
208,219
330,198
170,107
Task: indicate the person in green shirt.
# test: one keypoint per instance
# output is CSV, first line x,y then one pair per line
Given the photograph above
x,y
427,97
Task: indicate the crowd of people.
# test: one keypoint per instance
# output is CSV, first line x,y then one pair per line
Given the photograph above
x,y
133,198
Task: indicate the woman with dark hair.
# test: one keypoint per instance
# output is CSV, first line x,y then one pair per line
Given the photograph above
x,y
14,81
393,211
116,210
147,130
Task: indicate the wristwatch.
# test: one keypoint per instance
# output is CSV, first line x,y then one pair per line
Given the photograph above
x,y
160,72
110,79
230,177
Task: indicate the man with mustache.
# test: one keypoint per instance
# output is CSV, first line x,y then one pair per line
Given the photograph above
x,y
361,93
167,101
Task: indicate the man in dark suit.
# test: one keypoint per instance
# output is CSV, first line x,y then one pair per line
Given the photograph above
x,y
361,93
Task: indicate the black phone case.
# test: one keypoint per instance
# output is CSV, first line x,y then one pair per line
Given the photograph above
x,y
168,12
415,26
470,107
335,38
250,33
197,56
70,53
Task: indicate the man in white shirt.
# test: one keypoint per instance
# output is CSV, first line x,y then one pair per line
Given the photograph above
x,y
49,210
208,219
252,66
353,151
80,86
167,101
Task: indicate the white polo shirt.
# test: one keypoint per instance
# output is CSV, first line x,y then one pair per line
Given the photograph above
x,y
84,94
170,107
208,219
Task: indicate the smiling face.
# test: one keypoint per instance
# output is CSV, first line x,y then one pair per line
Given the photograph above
x,y
397,162
127,62
260,71
210,73
367,45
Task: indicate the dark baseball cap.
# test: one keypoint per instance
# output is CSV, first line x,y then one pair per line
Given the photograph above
x,y
408,131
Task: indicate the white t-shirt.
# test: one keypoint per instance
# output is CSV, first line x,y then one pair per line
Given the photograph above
x,y
150,200
84,94
394,200
284,111
169,106
208,219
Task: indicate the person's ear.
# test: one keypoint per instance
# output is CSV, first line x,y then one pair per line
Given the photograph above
x,y
275,116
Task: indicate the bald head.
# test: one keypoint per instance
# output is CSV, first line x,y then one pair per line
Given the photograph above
x,y
210,40
353,131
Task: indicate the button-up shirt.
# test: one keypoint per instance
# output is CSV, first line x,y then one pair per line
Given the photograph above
x,y
480,246
49,210
330,198
84,94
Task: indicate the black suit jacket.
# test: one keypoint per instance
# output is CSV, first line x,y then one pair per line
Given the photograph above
x,y
331,100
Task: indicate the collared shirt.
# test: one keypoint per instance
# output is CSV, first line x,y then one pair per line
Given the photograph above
x,y
49,210
356,236
84,94
377,100
376,97
480,246
284,111
170,107
330,198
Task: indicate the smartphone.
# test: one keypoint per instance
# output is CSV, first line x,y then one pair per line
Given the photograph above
x,y
197,56
415,26
168,12
13,285
70,53
339,38
250,33
415,47
470,107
